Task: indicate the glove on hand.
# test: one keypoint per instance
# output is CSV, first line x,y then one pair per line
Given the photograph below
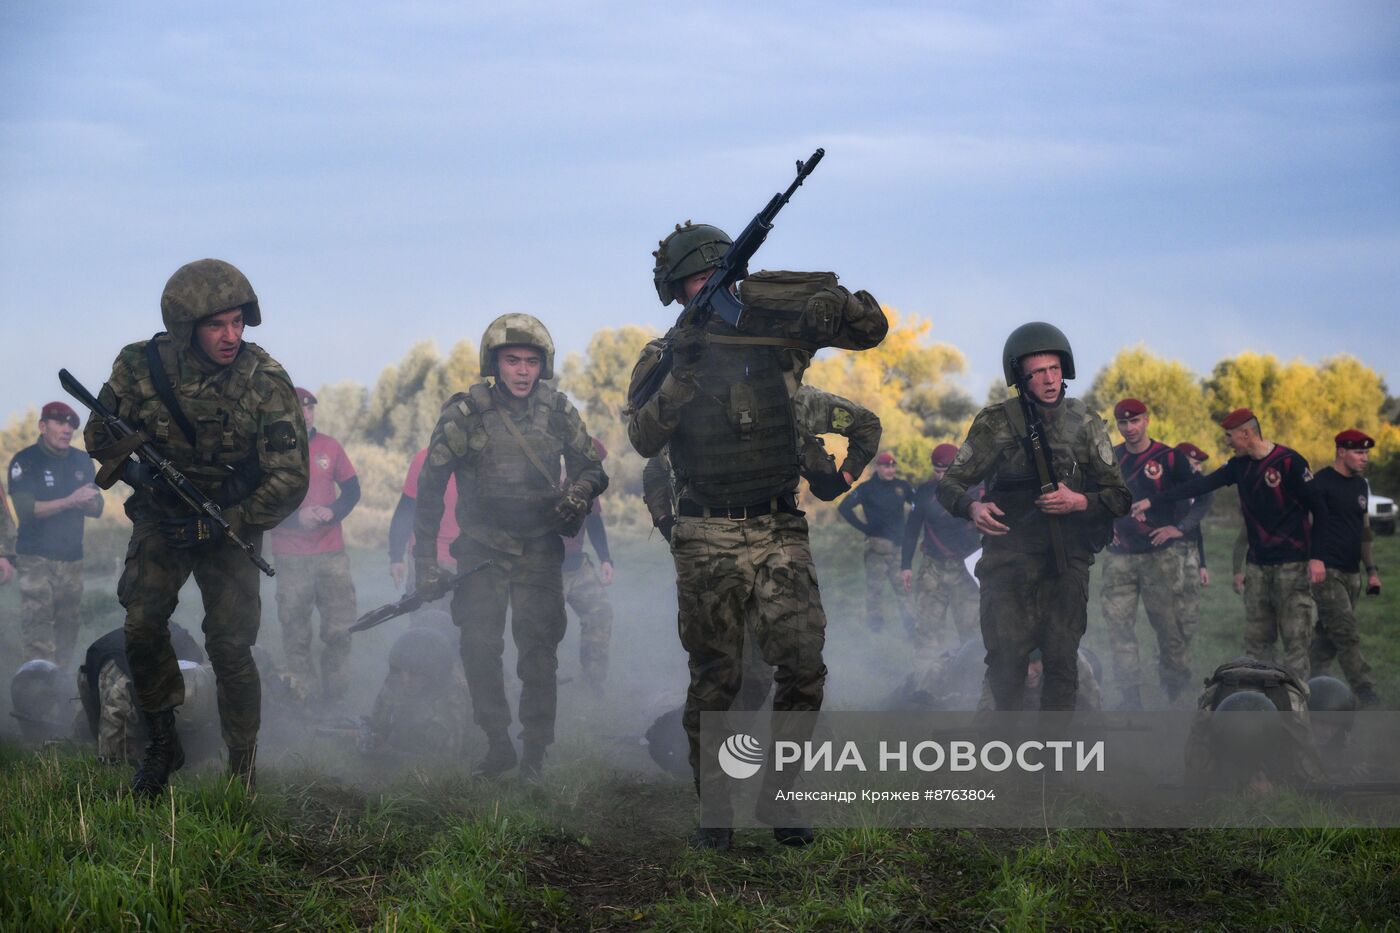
x,y
570,511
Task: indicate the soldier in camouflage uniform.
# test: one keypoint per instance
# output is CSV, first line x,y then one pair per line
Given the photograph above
x,y
818,413
233,426
504,443
740,543
1026,604
421,709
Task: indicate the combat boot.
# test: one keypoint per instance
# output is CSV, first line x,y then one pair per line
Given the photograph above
x,y
532,763
500,756
243,766
1367,698
163,755
786,821
716,838
1132,698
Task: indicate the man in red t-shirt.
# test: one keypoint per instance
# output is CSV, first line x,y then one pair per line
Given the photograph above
x,y
401,525
313,569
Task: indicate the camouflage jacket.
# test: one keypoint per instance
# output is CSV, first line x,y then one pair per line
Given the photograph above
x,y
467,433
818,412
249,453
859,324
993,453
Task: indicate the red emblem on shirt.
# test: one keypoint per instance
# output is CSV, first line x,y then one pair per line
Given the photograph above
x,y
1153,469
323,461
1271,478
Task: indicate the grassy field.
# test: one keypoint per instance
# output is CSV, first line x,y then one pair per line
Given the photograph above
x,y
601,843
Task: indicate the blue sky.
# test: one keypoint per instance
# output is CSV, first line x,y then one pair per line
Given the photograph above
x,y
1203,178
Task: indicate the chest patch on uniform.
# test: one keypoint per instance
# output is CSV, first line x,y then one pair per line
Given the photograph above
x,y
16,471
280,436
840,419
1271,478
323,461
1153,469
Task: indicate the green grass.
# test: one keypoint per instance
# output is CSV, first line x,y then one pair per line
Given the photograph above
x,y
597,848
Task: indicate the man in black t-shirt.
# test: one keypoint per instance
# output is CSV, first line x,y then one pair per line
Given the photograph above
x,y
1346,547
1148,559
944,585
1285,560
883,498
51,485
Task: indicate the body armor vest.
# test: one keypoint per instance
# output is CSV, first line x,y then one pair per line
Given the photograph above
x,y
737,441
221,408
1015,485
510,491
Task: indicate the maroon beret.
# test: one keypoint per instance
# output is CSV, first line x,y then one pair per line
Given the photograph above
x,y
884,458
305,396
943,455
1236,418
598,446
1127,408
59,411
1352,439
1192,451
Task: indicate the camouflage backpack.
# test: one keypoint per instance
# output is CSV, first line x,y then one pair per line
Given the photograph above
x,y
1279,684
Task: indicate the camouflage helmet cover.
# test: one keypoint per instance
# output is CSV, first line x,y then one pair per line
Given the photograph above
x,y
688,249
516,330
1036,337
204,287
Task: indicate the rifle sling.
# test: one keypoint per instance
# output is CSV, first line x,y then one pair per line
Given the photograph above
x,y
529,451
161,379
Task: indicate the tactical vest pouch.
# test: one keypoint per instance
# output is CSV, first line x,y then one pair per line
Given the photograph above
x,y
808,306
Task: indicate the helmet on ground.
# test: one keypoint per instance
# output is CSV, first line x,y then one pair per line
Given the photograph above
x,y
204,287
39,700
201,707
1036,337
422,654
688,249
1330,695
516,330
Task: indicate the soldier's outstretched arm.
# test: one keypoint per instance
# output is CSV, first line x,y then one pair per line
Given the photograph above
x,y
863,323
651,424
282,452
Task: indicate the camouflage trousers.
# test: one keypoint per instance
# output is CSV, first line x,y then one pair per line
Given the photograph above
x,y
1189,607
1027,605
882,571
738,581
529,585
149,590
1159,578
1279,604
1336,635
585,595
321,582
119,734
51,596
943,587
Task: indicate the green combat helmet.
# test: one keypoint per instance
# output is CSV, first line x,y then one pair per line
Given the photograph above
x,y
516,330
687,250
38,700
1330,695
1036,337
201,288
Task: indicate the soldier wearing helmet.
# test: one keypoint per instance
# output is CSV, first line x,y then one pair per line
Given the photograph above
x,y
1026,602
421,709
504,442
727,414
225,414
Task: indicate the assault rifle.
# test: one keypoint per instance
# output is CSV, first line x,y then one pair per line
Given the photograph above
x,y
715,298
146,452
414,600
1042,458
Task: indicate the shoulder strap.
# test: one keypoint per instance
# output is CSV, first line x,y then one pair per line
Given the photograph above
x,y
1016,416
529,451
161,380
